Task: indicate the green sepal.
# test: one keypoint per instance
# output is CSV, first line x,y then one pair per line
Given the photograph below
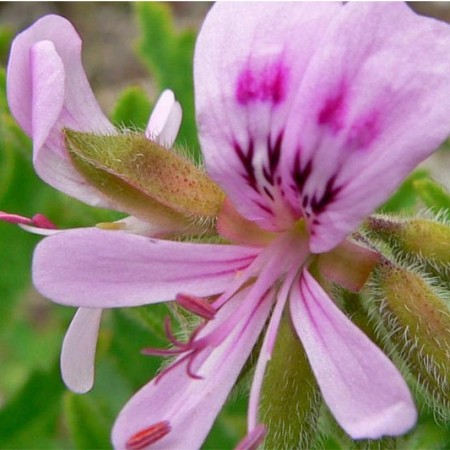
x,y
290,399
415,314
415,240
144,178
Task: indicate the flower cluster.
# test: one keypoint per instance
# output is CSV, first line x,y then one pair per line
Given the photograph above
x,y
309,117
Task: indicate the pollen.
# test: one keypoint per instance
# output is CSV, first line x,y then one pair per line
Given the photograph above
x,y
110,226
148,436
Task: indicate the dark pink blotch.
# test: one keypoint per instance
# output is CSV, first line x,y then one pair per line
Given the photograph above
x,y
264,84
332,112
363,132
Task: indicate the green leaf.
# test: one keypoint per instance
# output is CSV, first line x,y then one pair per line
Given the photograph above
x,y
169,57
130,336
29,420
433,194
86,421
132,109
405,198
6,35
428,435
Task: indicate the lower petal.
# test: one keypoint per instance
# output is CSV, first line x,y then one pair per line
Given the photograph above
x,y
95,268
187,406
363,389
78,350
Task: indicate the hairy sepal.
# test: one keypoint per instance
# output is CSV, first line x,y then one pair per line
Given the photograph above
x,y
414,313
144,177
419,239
290,400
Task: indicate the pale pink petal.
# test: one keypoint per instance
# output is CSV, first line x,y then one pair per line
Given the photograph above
x,y
40,231
189,406
363,389
123,269
78,350
250,60
319,111
165,120
371,106
48,80
47,91
170,131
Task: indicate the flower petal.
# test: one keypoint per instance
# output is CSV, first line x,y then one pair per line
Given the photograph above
x,y
249,61
123,269
47,91
323,115
78,350
371,106
165,120
363,389
190,406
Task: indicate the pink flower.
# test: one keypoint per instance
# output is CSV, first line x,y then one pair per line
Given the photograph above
x,y
310,115
48,91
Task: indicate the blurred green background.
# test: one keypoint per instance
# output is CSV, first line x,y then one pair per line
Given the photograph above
x,y
131,53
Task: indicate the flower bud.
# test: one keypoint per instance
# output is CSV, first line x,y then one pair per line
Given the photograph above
x,y
417,238
416,317
143,177
290,400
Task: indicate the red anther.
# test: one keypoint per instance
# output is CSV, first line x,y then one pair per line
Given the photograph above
x,y
42,222
196,305
38,220
148,435
253,440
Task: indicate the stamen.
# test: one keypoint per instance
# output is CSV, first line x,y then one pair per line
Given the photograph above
x,y
180,347
153,351
148,435
41,221
38,220
196,305
190,371
253,439
170,335
15,218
